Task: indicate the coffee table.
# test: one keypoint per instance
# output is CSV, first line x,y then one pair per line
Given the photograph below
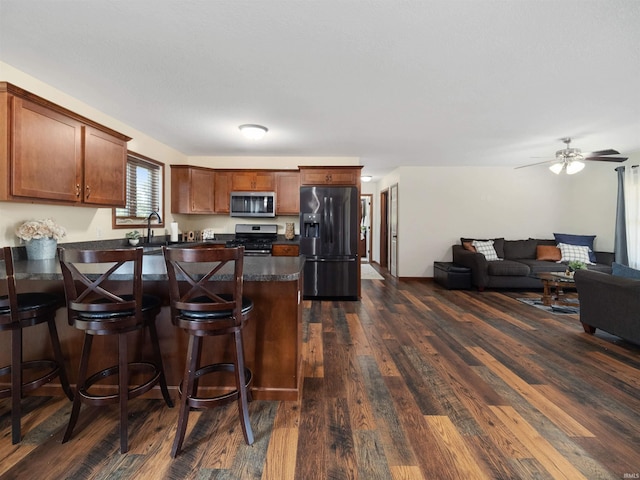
x,y
554,284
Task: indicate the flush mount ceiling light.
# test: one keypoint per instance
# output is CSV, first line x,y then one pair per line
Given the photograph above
x,y
366,178
253,132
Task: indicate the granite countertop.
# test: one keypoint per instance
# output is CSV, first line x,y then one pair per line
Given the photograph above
x,y
256,269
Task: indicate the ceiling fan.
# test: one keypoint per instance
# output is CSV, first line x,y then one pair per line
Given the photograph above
x,y
571,160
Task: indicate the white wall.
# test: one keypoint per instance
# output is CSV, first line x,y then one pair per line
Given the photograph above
x,y
438,205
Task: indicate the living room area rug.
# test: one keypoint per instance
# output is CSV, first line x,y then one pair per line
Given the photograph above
x,y
367,272
572,309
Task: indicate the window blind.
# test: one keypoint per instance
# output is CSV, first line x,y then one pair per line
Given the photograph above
x,y
143,189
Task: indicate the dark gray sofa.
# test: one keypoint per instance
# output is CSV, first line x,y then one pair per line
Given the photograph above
x,y
518,266
610,303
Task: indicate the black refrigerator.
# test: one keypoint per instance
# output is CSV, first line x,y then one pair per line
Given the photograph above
x,y
329,240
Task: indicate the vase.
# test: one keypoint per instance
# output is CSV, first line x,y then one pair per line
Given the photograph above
x,y
41,248
289,232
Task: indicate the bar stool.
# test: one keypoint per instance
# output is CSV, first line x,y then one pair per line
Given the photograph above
x,y
202,310
17,312
99,307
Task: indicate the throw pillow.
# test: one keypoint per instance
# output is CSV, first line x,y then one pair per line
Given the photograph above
x,y
619,270
570,239
498,244
548,252
486,248
468,246
515,249
574,253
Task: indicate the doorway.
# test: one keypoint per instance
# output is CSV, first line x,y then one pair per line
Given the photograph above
x,y
384,228
393,229
364,245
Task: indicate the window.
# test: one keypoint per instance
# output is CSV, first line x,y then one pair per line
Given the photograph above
x,y
145,178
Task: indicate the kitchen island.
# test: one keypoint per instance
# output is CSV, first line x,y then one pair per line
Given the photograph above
x,y
273,335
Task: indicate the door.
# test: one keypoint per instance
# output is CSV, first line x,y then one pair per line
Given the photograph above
x,y
384,229
393,227
364,249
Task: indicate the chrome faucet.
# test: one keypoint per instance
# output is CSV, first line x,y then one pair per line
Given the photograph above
x,y
149,224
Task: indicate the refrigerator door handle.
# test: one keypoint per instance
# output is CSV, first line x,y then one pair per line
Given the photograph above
x,y
331,219
325,221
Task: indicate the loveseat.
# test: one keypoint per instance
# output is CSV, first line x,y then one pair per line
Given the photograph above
x,y
610,303
519,261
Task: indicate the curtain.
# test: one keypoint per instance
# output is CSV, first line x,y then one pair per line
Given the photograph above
x,y
620,241
632,207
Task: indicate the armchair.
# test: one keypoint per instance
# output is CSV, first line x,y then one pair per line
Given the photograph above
x,y
610,303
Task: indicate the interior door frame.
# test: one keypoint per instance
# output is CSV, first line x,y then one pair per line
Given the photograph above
x,y
384,228
367,197
393,230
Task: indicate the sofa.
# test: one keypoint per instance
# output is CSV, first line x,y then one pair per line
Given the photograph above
x,y
610,303
518,261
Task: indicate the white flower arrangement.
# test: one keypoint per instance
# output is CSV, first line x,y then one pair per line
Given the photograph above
x,y
34,229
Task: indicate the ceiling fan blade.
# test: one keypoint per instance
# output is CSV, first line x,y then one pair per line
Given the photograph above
x,y
604,152
606,159
537,163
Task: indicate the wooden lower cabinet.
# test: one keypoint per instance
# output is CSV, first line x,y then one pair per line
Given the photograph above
x,y
285,250
272,341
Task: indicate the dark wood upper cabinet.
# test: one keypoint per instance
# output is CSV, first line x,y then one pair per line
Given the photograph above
x,y
105,166
339,175
192,189
46,154
52,155
252,180
222,191
287,193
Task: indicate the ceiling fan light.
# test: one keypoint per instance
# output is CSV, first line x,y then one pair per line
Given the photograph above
x,y
253,132
574,167
556,167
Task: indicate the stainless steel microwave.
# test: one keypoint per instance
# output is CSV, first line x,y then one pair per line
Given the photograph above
x,y
253,204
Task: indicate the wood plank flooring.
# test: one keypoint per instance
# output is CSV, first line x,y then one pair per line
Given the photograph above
x,y
412,382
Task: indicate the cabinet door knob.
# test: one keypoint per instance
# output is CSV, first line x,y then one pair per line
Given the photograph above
x,y
78,190
88,191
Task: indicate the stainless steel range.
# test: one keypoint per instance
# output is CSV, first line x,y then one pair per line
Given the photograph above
x,y
255,238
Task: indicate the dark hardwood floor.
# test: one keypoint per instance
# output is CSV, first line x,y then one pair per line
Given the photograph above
x,y
413,382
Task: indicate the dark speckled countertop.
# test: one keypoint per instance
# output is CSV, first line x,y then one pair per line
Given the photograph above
x,y
256,269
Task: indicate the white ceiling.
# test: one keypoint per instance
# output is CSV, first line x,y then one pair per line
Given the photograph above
x,y
393,82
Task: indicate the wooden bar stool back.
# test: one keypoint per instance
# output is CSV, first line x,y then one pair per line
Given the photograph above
x,y
200,308
17,312
104,296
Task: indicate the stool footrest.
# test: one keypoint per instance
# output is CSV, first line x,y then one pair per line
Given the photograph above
x,y
52,372
105,399
224,398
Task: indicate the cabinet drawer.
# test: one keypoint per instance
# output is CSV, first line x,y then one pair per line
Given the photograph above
x,y
284,250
